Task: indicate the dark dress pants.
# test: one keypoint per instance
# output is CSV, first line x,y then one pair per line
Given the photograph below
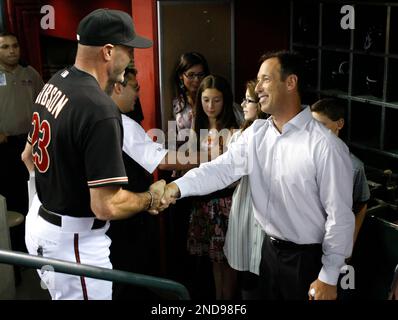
x,y
287,269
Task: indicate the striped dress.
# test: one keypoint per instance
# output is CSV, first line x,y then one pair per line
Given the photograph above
x,y
244,236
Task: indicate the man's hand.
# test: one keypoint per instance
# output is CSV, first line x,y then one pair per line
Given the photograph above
x,y
323,291
27,157
170,196
3,138
157,190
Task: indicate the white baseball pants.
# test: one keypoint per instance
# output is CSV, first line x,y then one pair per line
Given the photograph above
x,y
74,241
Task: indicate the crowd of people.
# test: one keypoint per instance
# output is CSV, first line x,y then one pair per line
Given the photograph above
x,y
270,198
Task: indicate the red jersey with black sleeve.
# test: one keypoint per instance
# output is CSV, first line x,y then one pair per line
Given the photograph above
x,y
77,141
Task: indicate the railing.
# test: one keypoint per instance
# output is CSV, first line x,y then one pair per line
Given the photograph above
x,y
168,288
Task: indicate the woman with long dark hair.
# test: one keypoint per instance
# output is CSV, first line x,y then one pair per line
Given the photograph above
x,y
190,71
214,122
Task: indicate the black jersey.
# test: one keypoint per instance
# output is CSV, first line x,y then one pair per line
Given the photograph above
x,y
77,137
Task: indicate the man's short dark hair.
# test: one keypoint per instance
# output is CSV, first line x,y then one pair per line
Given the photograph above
x,y
130,70
329,107
291,63
7,34
127,72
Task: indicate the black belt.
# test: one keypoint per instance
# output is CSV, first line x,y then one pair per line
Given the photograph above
x,y
283,244
57,220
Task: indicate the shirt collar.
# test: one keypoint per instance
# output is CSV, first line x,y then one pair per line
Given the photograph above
x,y
299,121
302,118
2,69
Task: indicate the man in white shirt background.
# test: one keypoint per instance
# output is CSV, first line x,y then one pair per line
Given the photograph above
x,y
300,176
135,241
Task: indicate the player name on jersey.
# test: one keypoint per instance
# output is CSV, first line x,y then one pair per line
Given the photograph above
x,y
52,98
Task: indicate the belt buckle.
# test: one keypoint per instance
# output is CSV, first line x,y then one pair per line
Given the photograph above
x,y
274,241
279,243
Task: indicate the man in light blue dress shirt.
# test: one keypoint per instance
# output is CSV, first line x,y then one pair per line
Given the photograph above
x,y
300,176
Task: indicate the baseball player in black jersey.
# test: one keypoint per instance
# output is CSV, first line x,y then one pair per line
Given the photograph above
x,y
76,140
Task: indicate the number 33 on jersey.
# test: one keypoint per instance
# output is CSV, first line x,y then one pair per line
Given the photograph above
x,y
40,140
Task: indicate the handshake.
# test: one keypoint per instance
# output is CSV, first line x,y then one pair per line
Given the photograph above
x,y
163,195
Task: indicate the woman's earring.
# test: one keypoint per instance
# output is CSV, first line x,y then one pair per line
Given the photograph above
x,y
182,86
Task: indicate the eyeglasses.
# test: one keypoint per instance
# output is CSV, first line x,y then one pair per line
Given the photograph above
x,y
245,100
192,75
136,87
124,83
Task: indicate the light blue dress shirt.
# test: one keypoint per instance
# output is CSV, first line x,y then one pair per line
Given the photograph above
x,y
301,183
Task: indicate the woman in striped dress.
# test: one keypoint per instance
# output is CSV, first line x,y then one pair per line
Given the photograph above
x,y
244,237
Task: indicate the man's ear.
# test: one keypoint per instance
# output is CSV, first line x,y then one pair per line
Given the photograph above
x,y
291,82
107,51
117,88
340,123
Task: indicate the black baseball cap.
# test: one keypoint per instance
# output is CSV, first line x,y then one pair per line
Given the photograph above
x,y
115,27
